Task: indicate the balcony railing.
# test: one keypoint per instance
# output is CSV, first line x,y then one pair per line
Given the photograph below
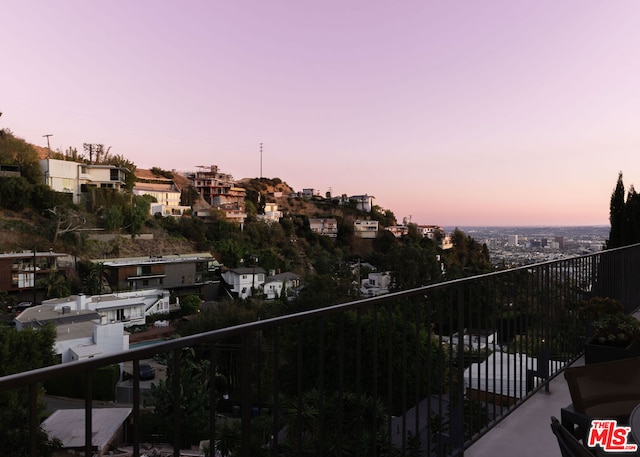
x,y
427,370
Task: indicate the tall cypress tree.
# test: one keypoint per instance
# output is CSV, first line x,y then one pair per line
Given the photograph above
x,y
617,216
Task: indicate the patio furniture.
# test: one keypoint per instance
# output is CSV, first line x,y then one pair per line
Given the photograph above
x,y
569,444
609,390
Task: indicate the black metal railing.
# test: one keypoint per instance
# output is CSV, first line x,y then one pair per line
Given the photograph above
x,y
425,371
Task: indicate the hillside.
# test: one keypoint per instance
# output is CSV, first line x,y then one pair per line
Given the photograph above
x,y
32,224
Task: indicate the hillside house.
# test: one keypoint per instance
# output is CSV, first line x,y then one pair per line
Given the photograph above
x,y
220,191
363,202
376,283
77,179
130,308
398,230
22,272
275,284
80,333
245,282
271,213
164,190
365,229
326,227
182,274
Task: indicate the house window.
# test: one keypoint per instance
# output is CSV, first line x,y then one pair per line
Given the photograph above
x,y
144,270
120,314
145,282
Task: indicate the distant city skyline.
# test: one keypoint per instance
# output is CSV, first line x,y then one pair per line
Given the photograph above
x,y
456,114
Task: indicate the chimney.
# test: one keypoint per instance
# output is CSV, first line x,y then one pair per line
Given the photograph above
x,y
81,302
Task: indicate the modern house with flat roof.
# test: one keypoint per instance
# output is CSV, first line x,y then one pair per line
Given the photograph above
x,y
182,274
21,272
365,229
77,178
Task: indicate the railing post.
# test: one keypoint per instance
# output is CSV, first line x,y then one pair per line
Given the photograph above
x,y
457,412
88,403
33,419
213,401
136,408
245,402
176,403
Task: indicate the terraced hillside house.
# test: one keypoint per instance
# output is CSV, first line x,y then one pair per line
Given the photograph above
x,y
77,179
182,274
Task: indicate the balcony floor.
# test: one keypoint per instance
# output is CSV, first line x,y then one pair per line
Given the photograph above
x,y
527,431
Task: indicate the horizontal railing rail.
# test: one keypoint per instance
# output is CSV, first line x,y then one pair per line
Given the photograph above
x,y
426,371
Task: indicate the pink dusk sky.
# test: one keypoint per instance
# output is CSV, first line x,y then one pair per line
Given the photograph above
x,y
455,113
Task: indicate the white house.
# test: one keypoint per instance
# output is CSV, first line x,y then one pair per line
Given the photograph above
x,y
130,308
363,202
327,227
377,283
274,285
271,213
80,334
77,178
243,281
365,229
398,230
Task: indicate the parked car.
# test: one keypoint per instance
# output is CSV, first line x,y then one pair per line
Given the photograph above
x,y
21,306
146,372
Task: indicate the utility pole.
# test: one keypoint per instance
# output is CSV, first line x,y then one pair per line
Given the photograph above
x,y
260,160
48,145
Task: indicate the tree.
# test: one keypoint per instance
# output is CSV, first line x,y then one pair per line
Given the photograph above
x,y
22,351
194,399
138,214
16,193
190,304
66,220
94,278
55,285
113,218
616,215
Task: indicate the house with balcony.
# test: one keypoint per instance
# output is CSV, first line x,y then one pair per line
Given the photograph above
x,y
245,282
80,334
22,273
164,190
220,191
398,230
365,229
324,226
77,179
182,274
270,214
